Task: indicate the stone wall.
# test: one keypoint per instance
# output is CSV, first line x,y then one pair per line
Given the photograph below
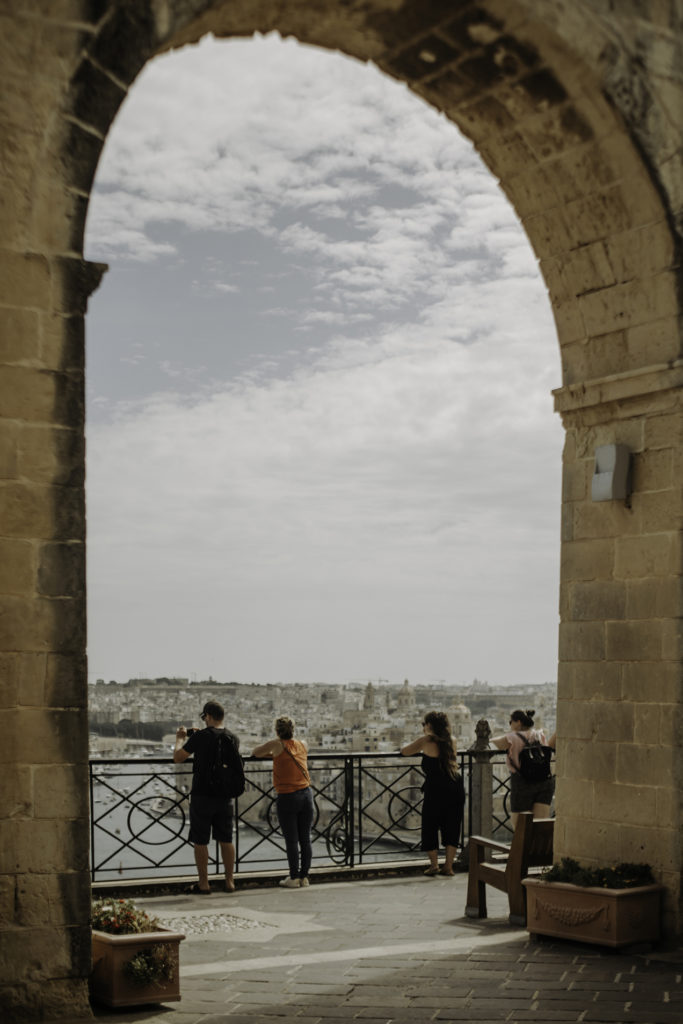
x,y
619,687
576,107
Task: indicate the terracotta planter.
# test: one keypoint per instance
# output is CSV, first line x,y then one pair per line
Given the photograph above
x,y
109,982
606,917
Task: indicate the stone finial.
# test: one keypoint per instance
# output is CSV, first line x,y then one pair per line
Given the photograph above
x,y
482,733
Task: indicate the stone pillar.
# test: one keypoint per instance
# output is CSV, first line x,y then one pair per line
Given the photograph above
x,y
44,834
481,809
620,756
482,795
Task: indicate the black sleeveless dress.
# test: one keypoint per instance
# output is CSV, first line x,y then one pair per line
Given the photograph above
x,y
442,807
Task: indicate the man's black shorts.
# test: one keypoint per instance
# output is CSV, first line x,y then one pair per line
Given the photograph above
x,y
207,813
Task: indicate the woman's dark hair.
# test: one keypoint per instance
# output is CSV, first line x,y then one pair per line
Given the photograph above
x,y
440,729
525,717
284,727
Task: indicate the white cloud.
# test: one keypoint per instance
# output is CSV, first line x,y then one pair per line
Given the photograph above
x,y
184,150
406,463
329,316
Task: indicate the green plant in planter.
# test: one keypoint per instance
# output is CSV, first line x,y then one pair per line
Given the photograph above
x,y
152,966
621,876
121,917
135,959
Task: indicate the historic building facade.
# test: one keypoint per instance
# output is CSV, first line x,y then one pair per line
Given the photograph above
x,y
576,106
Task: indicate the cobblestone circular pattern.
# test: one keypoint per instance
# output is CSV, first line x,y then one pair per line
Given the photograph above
x,y
204,925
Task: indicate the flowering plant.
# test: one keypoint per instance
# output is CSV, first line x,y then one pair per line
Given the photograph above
x,y
621,876
121,917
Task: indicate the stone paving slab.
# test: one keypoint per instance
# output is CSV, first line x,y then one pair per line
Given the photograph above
x,y
392,951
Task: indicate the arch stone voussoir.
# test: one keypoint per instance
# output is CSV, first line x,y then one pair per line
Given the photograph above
x,y
575,108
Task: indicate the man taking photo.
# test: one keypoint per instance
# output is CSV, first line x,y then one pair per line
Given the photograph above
x,y
217,777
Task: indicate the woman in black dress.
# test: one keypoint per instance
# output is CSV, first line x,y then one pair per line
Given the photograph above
x,y
444,793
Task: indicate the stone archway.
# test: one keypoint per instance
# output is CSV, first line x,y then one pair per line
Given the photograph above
x,y
577,111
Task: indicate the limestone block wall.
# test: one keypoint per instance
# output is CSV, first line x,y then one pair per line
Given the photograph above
x,y
620,711
575,105
44,831
44,834
45,950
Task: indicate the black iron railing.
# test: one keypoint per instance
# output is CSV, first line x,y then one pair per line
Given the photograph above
x,y
367,811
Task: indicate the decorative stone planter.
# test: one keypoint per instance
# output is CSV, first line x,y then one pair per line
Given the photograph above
x,y
605,917
109,982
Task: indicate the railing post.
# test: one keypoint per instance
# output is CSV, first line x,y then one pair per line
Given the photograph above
x,y
356,812
236,839
92,821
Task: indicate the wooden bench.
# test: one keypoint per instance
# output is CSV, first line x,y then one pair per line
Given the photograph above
x,y
531,846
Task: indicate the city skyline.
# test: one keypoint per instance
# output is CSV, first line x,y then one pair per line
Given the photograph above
x,y
195,679
320,433
367,716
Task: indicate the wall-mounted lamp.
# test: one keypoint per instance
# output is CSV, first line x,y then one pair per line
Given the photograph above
x,y
612,475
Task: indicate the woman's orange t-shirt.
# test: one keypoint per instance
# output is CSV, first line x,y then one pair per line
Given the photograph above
x,y
288,776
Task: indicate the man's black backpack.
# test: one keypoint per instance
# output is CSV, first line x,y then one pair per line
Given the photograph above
x,y
226,770
534,760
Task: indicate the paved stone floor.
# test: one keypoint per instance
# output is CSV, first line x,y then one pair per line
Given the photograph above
x,y
393,950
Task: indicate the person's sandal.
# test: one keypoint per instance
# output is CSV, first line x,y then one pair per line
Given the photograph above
x,y
194,890
430,872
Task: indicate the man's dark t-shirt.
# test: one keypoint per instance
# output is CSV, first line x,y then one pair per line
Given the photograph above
x,y
202,744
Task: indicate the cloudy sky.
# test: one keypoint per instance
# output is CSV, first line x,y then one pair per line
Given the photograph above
x,y
321,443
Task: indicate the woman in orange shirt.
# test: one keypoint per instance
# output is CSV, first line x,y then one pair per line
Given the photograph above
x,y
294,803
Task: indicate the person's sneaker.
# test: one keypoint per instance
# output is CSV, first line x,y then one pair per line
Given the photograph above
x,y
289,883
303,882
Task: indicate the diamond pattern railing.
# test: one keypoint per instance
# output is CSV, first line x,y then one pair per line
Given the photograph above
x,y
367,811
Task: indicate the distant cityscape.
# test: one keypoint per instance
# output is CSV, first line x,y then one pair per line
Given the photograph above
x,y
140,717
